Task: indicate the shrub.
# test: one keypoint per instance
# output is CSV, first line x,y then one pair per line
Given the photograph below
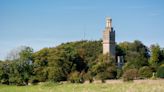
x,y
104,71
103,80
145,72
4,81
102,76
119,73
56,74
160,72
88,76
34,81
40,74
76,77
20,82
130,75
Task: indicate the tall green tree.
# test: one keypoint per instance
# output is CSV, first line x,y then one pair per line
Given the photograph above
x,y
105,67
136,54
155,55
40,65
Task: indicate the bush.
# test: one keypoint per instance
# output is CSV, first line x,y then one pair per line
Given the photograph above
x,y
130,75
40,74
119,73
56,74
102,76
88,76
4,81
76,77
160,72
145,72
34,81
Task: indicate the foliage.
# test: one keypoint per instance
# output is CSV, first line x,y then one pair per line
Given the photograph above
x,y
56,74
40,74
157,57
4,71
18,71
88,76
119,73
130,75
40,64
160,72
155,54
41,57
136,54
105,68
80,60
145,72
76,77
33,81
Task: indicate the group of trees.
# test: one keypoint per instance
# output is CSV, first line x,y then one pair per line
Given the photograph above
x,y
18,70
80,61
141,61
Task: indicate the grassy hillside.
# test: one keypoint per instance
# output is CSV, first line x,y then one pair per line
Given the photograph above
x,y
110,86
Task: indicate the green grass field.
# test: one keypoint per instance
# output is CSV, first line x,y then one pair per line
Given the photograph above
x,y
110,86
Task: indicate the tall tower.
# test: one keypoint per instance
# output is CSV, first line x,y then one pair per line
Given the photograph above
x,y
109,38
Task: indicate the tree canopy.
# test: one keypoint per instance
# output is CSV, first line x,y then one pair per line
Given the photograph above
x,y
80,60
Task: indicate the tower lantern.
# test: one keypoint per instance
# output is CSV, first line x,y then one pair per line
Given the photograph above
x,y
108,22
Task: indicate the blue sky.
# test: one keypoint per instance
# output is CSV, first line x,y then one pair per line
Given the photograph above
x,y
47,23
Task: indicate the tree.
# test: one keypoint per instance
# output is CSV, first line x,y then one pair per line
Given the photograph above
x,y
136,59
105,68
60,64
26,55
4,71
41,57
40,74
120,51
156,57
73,59
14,54
56,74
155,54
162,57
40,64
20,69
25,66
136,54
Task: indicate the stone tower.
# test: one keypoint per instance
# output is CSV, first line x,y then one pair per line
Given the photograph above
x,y
109,38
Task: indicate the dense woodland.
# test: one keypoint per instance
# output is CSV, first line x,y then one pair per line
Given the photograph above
x,y
79,61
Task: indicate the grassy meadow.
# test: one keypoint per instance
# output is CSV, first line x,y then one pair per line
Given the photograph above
x,y
109,86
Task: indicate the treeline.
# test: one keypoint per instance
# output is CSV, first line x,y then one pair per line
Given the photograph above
x,y
80,61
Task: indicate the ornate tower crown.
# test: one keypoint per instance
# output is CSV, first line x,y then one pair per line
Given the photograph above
x,y
108,22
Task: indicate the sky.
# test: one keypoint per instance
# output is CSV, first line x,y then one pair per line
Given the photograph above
x,y
48,23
